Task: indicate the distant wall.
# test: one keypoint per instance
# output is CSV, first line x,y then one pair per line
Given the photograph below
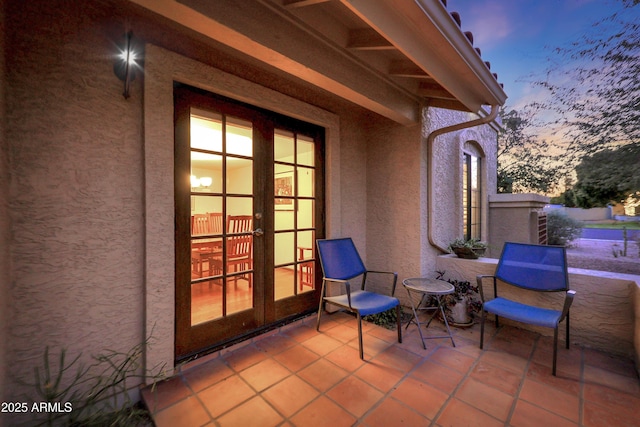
x,y
592,214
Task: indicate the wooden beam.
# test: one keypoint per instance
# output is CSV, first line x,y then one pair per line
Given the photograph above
x,y
434,90
293,4
368,39
406,68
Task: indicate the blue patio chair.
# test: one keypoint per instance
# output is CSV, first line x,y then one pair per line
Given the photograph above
x,y
537,268
340,263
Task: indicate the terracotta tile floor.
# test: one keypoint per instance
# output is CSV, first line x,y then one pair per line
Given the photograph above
x,y
299,377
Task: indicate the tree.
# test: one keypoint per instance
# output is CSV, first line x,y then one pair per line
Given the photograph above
x,y
524,163
608,176
595,89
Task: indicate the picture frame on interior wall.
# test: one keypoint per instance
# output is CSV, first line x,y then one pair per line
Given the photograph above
x,y
283,186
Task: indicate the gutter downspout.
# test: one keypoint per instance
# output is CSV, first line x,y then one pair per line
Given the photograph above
x,y
430,141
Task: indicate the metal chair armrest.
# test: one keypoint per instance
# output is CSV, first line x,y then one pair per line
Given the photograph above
x,y
568,300
346,284
395,279
479,279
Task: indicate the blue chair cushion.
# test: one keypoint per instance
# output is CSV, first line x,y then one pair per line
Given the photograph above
x,y
523,313
365,302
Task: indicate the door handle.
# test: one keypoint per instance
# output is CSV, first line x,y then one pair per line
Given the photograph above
x,y
257,232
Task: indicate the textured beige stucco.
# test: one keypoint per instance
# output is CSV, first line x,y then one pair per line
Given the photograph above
x,y
602,314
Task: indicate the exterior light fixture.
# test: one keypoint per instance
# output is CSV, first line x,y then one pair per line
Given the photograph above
x,y
125,64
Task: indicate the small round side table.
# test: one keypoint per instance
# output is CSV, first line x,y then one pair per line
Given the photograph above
x,y
428,287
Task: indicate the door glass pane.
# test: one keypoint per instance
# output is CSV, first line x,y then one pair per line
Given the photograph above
x,y
239,293
305,213
206,172
283,147
239,206
239,137
284,187
306,153
284,220
284,248
306,280
206,130
239,176
206,301
305,182
284,282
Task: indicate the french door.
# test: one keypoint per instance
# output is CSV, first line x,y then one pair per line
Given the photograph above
x,y
249,204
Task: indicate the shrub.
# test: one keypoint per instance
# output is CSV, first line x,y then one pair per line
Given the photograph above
x,y
562,229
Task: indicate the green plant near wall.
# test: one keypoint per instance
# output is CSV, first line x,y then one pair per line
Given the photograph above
x,y
93,395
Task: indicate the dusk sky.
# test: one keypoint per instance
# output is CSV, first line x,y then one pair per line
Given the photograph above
x,y
517,36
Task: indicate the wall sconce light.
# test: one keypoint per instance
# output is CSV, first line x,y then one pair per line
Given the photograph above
x,y
125,65
203,182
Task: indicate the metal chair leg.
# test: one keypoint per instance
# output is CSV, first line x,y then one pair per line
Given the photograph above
x,y
483,314
360,335
398,316
555,349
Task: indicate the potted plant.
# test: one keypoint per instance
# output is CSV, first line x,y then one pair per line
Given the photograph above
x,y
462,304
469,249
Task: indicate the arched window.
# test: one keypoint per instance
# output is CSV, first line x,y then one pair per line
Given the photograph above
x,y
472,192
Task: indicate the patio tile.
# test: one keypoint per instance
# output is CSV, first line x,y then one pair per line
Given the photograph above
x,y
165,393
225,395
393,413
323,412
398,358
504,360
355,395
321,344
441,377
488,399
458,413
264,374
290,395
346,357
543,374
557,401
609,362
206,374
296,358
420,396
494,376
380,376
322,374
596,415
244,357
611,379
528,415
255,410
188,413
288,379
274,344
453,359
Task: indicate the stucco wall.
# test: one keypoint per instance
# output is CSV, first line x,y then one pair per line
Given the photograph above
x,y
448,152
75,196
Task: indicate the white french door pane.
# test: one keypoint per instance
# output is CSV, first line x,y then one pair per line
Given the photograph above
x,y
305,213
284,248
239,206
305,182
239,137
206,130
306,151
239,176
284,282
283,146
